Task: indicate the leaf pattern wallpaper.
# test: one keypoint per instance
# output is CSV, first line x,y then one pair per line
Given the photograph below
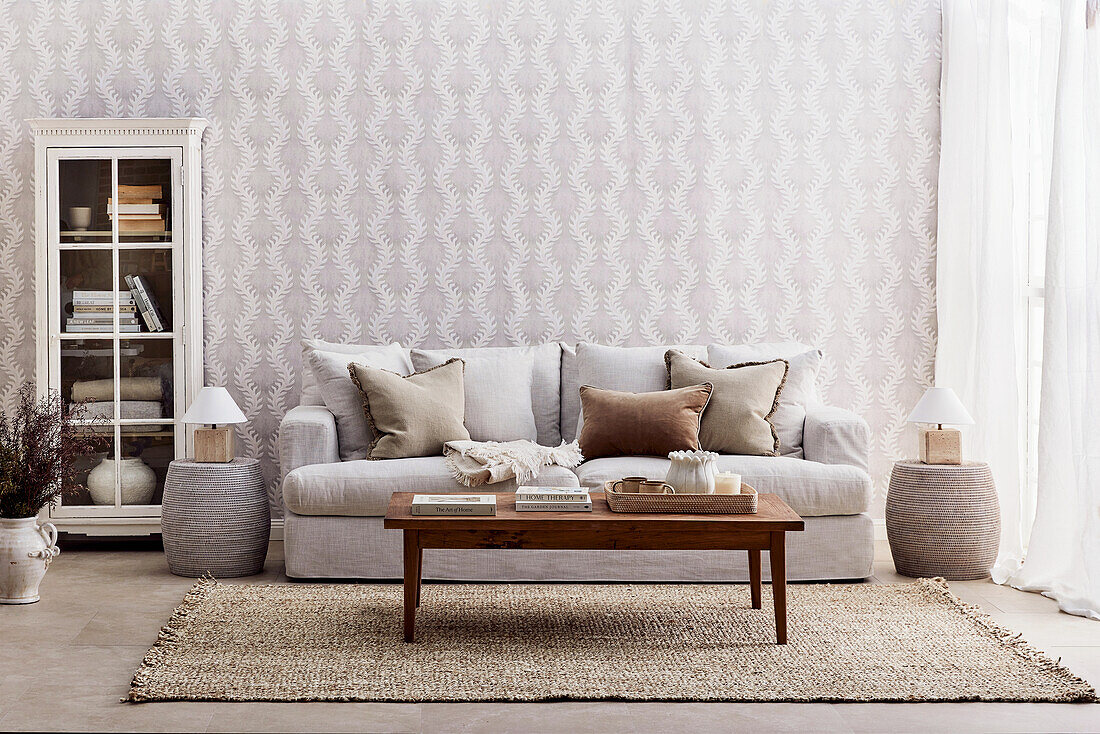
x,y
488,173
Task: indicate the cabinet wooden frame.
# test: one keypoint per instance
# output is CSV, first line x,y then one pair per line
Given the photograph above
x,y
177,142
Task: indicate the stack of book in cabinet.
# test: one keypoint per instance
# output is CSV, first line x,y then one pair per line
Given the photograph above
x,y
94,313
140,210
553,499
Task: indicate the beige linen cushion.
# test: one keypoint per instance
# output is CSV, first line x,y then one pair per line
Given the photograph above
x,y
744,398
799,391
328,364
412,415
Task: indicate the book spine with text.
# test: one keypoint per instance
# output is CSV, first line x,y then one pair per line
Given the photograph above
x,y
107,319
101,328
447,509
543,497
147,305
522,506
107,309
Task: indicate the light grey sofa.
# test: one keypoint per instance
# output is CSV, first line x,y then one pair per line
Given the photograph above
x,y
333,509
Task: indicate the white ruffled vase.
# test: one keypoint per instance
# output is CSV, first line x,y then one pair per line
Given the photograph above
x,y
692,472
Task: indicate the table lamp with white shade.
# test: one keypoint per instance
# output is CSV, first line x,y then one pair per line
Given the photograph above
x,y
940,445
214,406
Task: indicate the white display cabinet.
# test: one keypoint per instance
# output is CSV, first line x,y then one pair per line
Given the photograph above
x,y
118,198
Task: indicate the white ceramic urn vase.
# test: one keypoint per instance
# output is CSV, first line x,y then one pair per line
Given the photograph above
x,y
137,481
26,549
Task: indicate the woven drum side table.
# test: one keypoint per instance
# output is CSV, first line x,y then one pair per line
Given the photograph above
x,y
943,520
215,519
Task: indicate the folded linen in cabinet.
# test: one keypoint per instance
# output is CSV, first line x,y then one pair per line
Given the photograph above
x,y
130,388
126,409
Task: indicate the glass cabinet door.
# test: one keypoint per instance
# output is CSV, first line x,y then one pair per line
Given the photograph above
x,y
115,276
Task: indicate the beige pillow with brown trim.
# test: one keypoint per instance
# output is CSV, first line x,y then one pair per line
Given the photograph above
x,y
744,398
412,415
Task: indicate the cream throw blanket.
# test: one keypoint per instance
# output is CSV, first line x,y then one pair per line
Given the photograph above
x,y
474,463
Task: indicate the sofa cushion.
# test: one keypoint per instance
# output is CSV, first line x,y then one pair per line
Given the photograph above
x,y
570,403
626,369
641,423
737,419
311,388
811,489
799,391
363,488
412,415
330,371
545,380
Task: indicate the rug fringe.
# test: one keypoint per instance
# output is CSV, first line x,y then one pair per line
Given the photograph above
x,y
168,638
938,588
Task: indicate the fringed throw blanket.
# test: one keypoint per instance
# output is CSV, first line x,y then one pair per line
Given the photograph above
x,y
474,463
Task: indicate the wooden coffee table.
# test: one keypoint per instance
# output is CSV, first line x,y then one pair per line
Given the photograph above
x,y
601,529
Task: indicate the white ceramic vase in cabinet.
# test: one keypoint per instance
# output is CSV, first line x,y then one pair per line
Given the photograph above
x,y
692,472
26,549
137,481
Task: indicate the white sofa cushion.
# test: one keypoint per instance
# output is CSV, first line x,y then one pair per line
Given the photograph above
x,y
626,369
545,381
799,391
341,396
570,409
811,489
363,488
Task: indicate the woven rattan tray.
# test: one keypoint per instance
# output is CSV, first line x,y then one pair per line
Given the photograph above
x,y
707,504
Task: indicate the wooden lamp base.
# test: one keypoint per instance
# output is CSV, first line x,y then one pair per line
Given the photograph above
x,y
940,446
214,445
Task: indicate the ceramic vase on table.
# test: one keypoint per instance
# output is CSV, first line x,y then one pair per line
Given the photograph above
x,y
692,472
137,482
26,549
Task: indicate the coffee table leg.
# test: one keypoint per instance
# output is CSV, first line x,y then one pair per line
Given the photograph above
x,y
419,573
754,577
412,578
779,585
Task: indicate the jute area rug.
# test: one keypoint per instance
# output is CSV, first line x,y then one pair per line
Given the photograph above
x,y
477,642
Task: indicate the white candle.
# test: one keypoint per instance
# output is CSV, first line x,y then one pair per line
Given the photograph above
x,y
727,483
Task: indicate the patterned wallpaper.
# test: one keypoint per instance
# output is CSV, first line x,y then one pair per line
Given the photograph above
x,y
513,171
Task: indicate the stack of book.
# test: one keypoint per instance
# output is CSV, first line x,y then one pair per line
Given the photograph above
x,y
139,209
553,499
94,313
454,504
147,304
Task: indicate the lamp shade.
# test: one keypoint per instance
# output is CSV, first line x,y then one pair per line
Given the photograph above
x,y
940,405
214,405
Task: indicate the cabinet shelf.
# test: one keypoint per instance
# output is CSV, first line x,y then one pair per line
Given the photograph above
x,y
77,336
108,246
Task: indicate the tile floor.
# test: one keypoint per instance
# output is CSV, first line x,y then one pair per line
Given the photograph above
x,y
66,661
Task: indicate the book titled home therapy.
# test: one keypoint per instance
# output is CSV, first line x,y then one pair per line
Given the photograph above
x,y
454,504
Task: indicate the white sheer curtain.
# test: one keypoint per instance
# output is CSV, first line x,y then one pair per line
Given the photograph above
x,y
1063,555
1020,112
982,241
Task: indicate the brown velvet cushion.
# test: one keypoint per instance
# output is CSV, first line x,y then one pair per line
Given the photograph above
x,y
413,415
744,398
641,424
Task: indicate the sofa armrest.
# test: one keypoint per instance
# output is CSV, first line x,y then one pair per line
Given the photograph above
x,y
836,436
307,436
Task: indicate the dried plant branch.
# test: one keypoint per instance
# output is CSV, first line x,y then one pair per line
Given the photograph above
x,y
39,445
